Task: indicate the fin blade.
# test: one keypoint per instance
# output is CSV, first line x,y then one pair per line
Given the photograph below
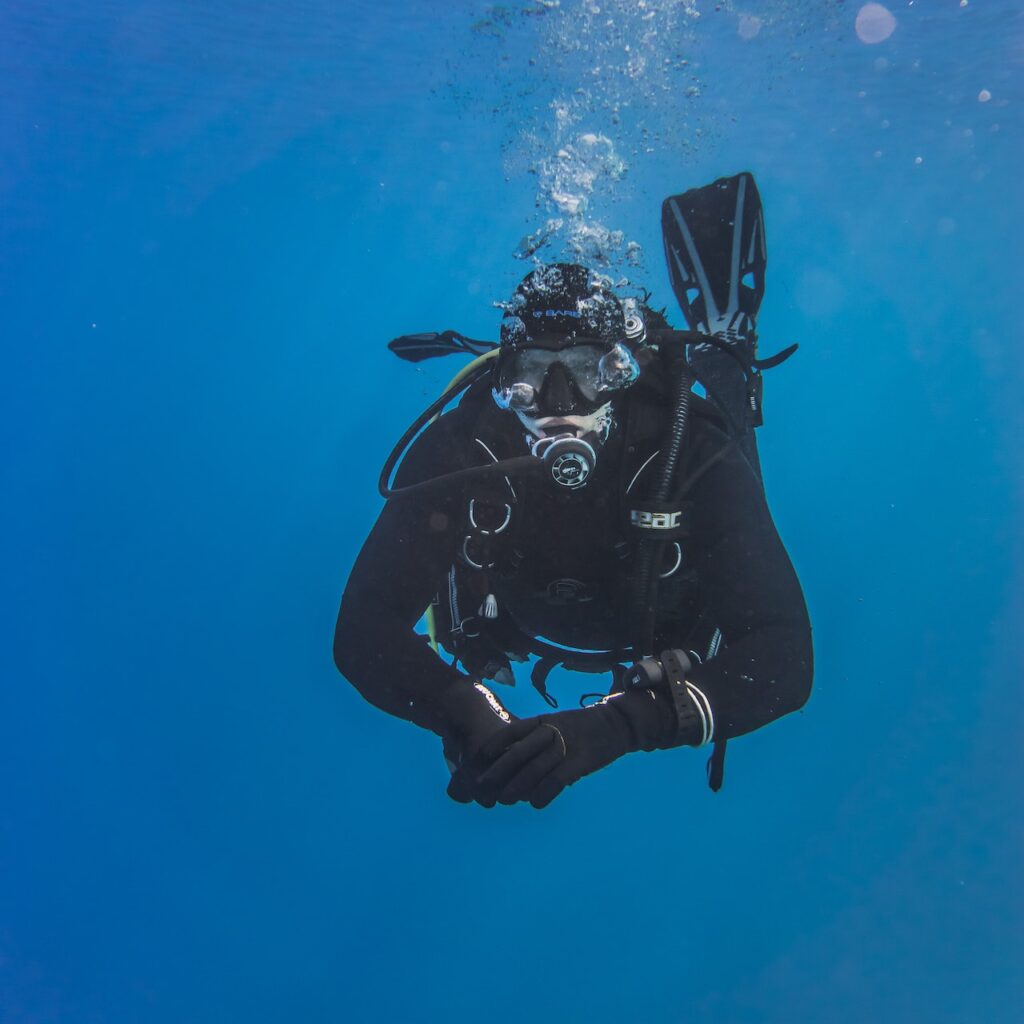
x,y
716,253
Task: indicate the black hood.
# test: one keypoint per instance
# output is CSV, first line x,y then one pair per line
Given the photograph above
x,y
558,305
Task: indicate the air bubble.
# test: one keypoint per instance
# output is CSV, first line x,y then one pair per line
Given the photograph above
x,y
874,24
749,26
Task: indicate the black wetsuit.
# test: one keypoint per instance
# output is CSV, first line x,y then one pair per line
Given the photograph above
x,y
570,581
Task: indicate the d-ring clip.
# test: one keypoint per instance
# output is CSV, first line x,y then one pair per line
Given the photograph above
x,y
472,563
678,562
477,526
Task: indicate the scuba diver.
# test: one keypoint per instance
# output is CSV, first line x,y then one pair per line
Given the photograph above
x,y
584,507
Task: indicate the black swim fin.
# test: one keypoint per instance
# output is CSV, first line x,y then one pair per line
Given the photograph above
x,y
417,347
717,255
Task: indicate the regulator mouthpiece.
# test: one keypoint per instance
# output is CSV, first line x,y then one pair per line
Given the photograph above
x,y
569,459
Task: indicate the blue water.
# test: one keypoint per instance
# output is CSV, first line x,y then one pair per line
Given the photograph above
x,y
212,218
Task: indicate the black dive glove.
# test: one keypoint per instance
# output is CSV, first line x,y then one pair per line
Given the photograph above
x,y
534,759
473,716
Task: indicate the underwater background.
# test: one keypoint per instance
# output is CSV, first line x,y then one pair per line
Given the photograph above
x,y
212,219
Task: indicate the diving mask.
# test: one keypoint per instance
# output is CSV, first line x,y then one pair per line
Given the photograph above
x,y
569,379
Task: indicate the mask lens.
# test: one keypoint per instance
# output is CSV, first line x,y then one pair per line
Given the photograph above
x,y
522,377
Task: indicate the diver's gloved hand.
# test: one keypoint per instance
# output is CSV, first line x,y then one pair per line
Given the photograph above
x,y
473,717
534,759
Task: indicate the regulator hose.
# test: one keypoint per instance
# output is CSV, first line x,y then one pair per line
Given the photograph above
x,y
462,381
645,594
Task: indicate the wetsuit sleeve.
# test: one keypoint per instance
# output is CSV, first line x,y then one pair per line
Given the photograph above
x,y
395,577
749,586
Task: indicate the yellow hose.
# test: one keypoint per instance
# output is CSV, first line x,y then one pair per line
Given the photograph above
x,y
467,370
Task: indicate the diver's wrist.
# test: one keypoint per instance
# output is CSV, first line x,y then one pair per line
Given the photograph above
x,y
666,677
